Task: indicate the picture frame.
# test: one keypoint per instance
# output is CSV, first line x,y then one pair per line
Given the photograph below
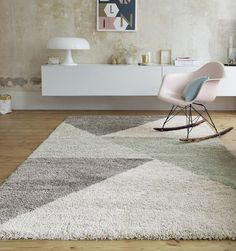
x,y
117,15
166,56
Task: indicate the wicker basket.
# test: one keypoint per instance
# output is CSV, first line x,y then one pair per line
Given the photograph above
x,y
5,103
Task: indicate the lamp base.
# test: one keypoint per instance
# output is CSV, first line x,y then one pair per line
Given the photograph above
x,y
68,60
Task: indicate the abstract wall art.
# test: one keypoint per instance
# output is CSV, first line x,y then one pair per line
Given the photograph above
x,y
117,15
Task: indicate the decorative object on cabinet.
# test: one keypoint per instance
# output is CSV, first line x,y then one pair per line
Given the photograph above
x,y
68,44
126,53
165,56
232,49
115,59
53,60
171,92
186,61
146,58
232,56
117,15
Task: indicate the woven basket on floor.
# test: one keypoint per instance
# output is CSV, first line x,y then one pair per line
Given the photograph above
x,y
5,103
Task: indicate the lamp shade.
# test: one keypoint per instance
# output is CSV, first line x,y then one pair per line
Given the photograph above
x,y
68,43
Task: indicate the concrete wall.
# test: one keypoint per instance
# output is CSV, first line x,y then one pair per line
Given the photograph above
x,y
197,28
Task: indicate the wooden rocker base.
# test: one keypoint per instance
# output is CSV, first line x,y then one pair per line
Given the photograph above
x,y
179,127
190,140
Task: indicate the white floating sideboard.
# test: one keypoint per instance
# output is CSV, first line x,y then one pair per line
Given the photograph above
x,y
116,80
100,80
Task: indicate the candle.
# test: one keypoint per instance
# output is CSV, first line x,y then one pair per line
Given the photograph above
x,y
146,58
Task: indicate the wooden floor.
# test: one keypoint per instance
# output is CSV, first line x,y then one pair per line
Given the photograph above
x,y
22,131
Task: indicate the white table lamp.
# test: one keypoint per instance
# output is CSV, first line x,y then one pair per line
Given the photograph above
x,y
68,44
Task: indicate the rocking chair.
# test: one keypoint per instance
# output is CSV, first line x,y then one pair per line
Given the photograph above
x,y
171,91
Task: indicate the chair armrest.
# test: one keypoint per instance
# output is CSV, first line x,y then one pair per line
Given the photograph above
x,y
208,91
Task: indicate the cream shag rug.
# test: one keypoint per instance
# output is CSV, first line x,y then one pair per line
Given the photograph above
x,y
110,177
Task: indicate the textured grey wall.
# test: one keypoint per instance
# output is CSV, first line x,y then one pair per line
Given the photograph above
x,y
198,28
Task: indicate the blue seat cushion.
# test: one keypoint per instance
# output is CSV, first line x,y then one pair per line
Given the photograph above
x,y
192,89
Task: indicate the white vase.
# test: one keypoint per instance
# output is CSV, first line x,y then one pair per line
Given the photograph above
x,y
129,60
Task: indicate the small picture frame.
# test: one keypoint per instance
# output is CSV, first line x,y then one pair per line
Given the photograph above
x,y
166,57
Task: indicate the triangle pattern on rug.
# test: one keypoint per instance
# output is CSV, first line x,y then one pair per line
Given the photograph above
x,y
206,158
147,202
68,141
147,130
102,125
53,178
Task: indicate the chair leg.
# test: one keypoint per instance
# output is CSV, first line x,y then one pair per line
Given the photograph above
x,y
190,122
175,110
189,119
209,119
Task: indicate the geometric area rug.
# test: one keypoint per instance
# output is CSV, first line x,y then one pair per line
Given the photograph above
x,y
114,177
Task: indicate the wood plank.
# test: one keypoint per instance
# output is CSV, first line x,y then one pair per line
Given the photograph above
x,y
127,245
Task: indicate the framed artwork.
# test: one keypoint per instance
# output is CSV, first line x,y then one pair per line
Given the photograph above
x,y
165,56
117,15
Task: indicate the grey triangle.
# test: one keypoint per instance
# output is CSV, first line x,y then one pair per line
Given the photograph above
x,y
40,181
102,125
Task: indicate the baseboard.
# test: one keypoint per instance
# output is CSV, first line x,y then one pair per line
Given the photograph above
x,y
33,100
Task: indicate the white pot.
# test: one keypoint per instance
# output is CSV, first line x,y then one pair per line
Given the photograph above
x,y
129,60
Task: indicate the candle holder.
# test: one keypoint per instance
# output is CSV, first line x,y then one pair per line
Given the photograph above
x,y
146,58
